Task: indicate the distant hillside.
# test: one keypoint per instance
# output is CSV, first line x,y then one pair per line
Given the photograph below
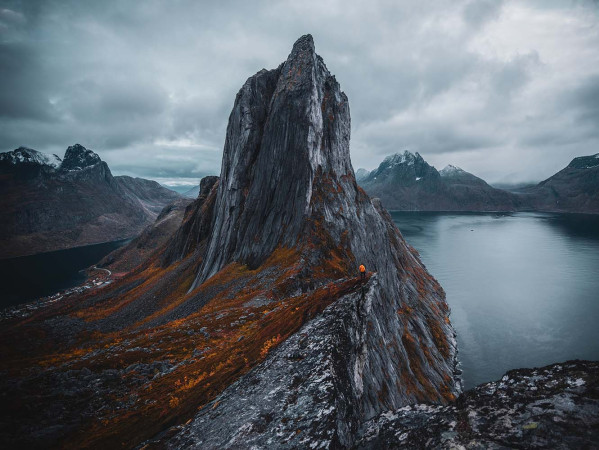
x,y
405,181
192,193
52,204
573,189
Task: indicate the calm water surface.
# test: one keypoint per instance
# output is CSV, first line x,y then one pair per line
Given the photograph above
x,y
30,277
523,288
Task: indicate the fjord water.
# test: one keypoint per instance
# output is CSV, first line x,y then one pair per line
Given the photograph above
x,y
523,288
30,277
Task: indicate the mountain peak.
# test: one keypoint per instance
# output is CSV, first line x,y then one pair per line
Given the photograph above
x,y
450,170
402,158
297,131
304,44
25,155
584,162
77,157
361,174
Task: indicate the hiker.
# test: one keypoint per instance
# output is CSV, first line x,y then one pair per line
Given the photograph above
x,y
362,272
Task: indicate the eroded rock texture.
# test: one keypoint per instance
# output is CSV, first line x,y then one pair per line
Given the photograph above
x,y
551,407
287,181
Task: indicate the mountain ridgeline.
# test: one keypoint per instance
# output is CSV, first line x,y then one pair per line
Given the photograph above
x,y
406,182
250,323
52,204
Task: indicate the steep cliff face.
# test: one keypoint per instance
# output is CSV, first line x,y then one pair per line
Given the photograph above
x,y
195,228
252,312
287,182
51,204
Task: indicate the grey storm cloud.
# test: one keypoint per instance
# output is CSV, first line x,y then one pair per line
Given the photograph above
x,y
149,85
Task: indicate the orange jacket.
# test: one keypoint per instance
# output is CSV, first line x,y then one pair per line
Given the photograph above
x,y
362,268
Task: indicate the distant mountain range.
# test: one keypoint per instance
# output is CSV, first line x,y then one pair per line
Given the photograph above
x,y
49,203
405,181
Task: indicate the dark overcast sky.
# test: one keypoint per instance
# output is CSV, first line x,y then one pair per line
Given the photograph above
x,y
506,90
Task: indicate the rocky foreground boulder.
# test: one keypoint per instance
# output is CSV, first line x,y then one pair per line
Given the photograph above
x,y
549,407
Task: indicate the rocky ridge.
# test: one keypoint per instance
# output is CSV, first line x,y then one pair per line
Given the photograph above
x,y
261,254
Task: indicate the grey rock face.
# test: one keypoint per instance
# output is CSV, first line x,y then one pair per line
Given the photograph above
x,y
196,225
286,177
286,125
551,407
313,391
305,395
287,181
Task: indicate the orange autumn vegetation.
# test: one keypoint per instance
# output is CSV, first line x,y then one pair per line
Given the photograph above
x,y
240,336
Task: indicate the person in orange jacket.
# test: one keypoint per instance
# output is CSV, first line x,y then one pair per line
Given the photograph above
x,y
362,272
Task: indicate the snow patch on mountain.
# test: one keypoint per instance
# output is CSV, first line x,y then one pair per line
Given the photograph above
x,y
400,158
451,170
24,155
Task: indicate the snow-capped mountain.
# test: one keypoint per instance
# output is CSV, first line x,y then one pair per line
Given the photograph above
x,y
24,155
451,171
404,169
405,181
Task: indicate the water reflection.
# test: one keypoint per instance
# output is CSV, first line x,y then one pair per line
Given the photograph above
x,y
522,287
31,277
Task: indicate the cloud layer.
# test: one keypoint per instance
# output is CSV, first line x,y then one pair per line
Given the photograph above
x,y
507,90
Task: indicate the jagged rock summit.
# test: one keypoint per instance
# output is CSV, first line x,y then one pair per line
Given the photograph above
x,y
77,157
287,183
296,131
